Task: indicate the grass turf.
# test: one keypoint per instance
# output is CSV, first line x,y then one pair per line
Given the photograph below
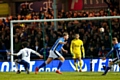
x,y
64,76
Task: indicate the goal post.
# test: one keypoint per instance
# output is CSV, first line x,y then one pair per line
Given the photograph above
x,y
11,41
49,20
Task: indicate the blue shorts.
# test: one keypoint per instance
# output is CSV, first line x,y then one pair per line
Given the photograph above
x,y
26,64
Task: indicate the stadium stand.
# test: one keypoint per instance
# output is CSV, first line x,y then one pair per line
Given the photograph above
x,y
32,32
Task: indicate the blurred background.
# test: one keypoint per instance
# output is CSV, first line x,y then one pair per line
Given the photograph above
x,y
96,44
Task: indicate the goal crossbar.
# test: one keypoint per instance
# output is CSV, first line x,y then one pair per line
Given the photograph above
x,y
66,19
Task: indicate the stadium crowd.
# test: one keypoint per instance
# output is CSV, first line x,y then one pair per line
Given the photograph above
x,y
96,43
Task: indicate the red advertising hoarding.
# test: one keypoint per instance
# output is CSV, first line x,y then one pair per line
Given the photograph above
x,y
86,4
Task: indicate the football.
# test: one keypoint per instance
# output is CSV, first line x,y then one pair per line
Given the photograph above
x,y
101,29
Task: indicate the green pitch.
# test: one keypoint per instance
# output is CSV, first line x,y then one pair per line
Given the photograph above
x,y
64,76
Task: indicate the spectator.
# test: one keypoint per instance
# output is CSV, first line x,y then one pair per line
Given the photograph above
x,y
36,47
24,10
17,45
45,52
91,53
102,52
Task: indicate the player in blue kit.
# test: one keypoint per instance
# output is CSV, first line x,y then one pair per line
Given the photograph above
x,y
116,60
54,53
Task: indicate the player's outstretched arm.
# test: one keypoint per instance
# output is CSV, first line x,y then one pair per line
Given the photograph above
x,y
39,55
63,42
36,53
12,54
108,54
8,53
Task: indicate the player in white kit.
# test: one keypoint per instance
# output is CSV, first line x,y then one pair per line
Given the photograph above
x,y
25,52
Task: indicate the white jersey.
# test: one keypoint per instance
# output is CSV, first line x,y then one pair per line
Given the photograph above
x,y
25,52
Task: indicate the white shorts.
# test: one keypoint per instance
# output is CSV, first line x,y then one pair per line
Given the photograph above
x,y
116,61
54,54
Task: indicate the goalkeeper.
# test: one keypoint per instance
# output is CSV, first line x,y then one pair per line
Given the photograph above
x,y
77,50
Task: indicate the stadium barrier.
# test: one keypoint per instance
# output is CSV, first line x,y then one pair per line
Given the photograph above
x,y
68,66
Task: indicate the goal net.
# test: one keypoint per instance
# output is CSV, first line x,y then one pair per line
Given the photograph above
x,y
96,33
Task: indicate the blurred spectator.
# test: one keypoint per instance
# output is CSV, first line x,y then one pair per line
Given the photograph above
x,y
3,55
36,47
102,52
52,38
1,25
17,45
24,10
45,51
112,4
91,53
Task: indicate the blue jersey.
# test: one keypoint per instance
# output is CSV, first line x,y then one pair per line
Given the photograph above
x,y
57,46
115,48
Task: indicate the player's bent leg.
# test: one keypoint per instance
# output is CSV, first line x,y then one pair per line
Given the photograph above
x,y
76,65
42,65
61,58
27,68
108,68
26,65
16,64
75,62
104,67
48,60
110,65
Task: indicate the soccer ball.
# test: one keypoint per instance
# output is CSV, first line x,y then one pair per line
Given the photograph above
x,y
101,30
